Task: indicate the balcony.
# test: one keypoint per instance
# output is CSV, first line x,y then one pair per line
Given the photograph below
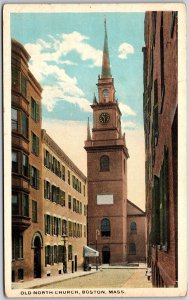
x,y
20,222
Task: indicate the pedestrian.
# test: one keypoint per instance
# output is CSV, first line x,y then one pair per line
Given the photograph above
x,y
149,273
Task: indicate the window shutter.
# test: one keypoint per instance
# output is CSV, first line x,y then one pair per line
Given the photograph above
x,y
161,208
156,211
57,195
38,180
45,190
51,225
45,223
37,145
30,170
37,112
166,198
59,226
45,256
45,160
52,255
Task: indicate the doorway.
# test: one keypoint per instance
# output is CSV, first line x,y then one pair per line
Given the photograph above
x,y
106,255
75,263
37,257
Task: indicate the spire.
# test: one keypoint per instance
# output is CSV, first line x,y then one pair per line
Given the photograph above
x,y
94,99
88,131
106,72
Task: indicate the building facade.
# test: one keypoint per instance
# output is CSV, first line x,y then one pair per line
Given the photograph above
x,y
107,156
136,233
160,123
65,210
49,193
27,205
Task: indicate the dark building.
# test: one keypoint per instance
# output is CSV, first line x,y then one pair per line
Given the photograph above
x,y
160,125
27,242
107,172
136,233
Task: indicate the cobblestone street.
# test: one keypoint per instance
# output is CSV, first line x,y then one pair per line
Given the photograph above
x,y
106,278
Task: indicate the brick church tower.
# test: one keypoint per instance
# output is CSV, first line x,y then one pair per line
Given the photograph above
x,y
107,172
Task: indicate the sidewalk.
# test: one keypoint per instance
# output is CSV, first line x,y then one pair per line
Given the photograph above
x,y
138,279
39,282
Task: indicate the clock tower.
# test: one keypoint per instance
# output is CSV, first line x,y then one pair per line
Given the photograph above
x,y
107,172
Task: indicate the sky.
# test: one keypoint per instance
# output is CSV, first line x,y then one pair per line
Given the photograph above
x,y
66,58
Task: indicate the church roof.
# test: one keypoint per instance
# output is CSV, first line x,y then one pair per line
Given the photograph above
x,y
133,209
106,72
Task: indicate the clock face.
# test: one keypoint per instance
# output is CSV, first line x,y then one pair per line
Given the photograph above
x,y
104,118
105,92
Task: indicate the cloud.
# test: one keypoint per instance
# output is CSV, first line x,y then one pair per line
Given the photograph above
x,y
125,109
46,62
128,125
124,50
75,133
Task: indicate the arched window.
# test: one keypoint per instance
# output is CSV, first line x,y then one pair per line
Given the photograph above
x,y
133,227
132,249
105,227
104,163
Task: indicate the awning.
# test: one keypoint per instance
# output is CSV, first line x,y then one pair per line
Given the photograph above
x,y
90,252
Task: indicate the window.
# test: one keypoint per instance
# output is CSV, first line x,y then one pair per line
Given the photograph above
x,y
132,249
68,177
69,202
105,227
15,204
24,124
47,224
47,191
47,159
23,85
64,227
25,205
35,110
104,163
35,144
85,210
164,198
74,204
15,161
20,274
173,22
133,227
55,226
70,228
53,193
60,253
62,198
48,255
34,177
15,78
80,208
17,246
34,211
85,232
25,165
70,252
14,119
162,61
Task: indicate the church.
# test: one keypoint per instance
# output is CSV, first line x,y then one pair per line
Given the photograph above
x,y
107,156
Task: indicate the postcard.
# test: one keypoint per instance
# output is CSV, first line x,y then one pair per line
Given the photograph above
x,y
95,150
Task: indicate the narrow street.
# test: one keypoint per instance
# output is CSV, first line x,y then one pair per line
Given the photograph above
x,y
106,278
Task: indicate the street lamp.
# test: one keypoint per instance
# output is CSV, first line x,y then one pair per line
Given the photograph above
x,y
64,254
97,233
